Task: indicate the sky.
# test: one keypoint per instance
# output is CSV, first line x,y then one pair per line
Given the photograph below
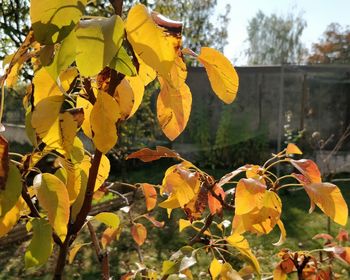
x,y
317,13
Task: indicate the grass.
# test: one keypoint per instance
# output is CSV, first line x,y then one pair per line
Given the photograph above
x,y
162,243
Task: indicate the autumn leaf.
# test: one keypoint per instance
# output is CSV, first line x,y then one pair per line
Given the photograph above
x,y
4,163
52,21
99,38
109,235
87,107
330,200
53,197
173,108
156,47
139,233
309,169
10,218
147,155
241,244
182,183
228,273
103,118
129,94
215,268
103,172
293,149
74,250
221,73
110,219
150,195
13,189
214,204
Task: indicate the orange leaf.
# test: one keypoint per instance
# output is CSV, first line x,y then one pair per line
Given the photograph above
x,y
154,222
330,200
345,254
343,235
293,149
109,235
279,274
139,233
4,162
309,169
150,195
215,206
147,155
226,178
324,236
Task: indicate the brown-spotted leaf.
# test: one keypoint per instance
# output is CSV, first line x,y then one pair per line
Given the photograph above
x,y
173,108
139,233
221,73
147,155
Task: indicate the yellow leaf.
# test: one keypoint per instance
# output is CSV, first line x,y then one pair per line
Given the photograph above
x,y
282,235
13,189
73,252
40,247
330,200
262,218
221,73
99,39
53,197
139,233
68,128
184,224
146,73
293,149
84,168
103,118
171,203
168,267
241,244
215,268
87,107
228,273
52,21
129,94
249,194
182,183
110,219
46,114
152,43
173,108
44,86
10,219
103,172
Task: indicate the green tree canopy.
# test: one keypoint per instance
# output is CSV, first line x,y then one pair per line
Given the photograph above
x,y
275,39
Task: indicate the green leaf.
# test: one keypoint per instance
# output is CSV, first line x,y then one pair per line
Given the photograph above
x,y
53,197
122,63
53,20
13,189
98,42
109,219
64,56
40,247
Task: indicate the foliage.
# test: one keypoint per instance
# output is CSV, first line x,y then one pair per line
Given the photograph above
x,y
333,46
90,74
275,39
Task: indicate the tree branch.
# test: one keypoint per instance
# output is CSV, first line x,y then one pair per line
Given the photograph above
x,y
207,224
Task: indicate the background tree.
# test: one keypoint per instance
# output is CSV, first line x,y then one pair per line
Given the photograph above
x,y
333,47
275,39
